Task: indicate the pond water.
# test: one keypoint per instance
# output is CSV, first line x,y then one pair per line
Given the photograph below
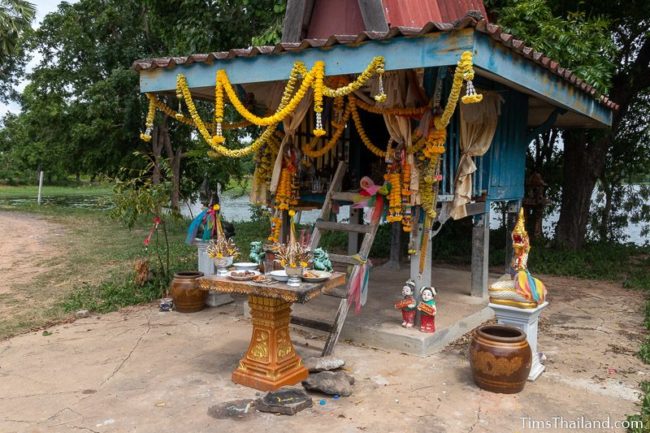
x,y
238,209
102,202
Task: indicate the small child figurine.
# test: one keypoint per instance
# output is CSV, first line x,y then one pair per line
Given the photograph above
x,y
407,305
428,308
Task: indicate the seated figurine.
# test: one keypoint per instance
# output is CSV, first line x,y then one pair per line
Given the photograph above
x,y
519,288
257,252
407,305
321,260
427,309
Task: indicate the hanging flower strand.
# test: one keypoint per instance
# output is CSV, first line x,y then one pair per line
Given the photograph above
x,y
380,96
218,111
281,113
464,72
151,113
319,72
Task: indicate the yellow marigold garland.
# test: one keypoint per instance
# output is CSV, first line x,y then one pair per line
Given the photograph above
x,y
406,195
164,108
375,66
308,149
394,196
282,112
464,72
319,72
276,227
151,113
352,103
220,150
396,111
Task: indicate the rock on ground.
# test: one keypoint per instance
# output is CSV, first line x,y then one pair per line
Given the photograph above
x,y
326,363
235,409
288,401
329,382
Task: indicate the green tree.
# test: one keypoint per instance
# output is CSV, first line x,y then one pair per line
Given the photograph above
x,y
608,44
15,22
84,85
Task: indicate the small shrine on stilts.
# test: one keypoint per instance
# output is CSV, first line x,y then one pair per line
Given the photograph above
x,y
411,113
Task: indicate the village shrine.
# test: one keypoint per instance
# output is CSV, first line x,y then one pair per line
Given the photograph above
x,y
410,113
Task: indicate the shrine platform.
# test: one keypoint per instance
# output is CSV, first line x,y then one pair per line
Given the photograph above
x,y
379,323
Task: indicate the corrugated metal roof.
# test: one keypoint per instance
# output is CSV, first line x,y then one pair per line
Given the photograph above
x,y
417,13
481,25
335,17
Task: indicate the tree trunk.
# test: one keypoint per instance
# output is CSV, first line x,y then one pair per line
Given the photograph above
x,y
583,165
606,213
156,149
175,164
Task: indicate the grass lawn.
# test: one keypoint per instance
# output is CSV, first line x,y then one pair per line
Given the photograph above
x,y
95,255
48,191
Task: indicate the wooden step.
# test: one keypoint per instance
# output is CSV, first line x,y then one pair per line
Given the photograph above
x,y
312,324
340,258
345,196
343,227
337,292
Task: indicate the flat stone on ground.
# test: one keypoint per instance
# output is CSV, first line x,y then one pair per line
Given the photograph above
x,y
328,382
288,401
326,363
235,409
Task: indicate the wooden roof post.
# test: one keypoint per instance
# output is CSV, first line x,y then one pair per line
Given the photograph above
x,y
296,20
481,253
372,12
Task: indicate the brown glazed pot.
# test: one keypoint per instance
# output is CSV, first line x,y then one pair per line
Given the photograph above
x,y
500,358
184,290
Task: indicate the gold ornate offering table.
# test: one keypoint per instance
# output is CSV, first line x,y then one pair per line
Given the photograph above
x,y
270,361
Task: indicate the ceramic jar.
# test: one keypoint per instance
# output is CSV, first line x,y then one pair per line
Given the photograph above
x,y
187,295
500,358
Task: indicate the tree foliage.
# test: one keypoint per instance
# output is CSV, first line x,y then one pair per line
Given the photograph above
x,y
82,111
15,18
15,24
607,43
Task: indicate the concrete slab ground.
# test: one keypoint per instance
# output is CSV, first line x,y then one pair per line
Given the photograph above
x,y
379,323
139,370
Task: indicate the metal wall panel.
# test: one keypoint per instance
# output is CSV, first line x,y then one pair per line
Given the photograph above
x,y
507,155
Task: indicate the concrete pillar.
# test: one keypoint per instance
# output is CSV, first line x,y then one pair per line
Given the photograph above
x,y
480,254
423,279
206,265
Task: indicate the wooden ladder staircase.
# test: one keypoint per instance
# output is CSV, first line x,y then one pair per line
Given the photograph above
x,y
334,194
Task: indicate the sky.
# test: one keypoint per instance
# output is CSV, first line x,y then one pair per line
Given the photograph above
x,y
43,7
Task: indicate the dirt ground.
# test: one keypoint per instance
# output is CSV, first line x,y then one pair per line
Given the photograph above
x,y
140,370
28,249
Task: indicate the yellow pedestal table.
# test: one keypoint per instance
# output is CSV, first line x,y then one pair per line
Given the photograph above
x,y
271,360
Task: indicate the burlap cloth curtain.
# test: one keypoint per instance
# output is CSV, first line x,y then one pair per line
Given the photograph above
x,y
400,93
270,94
478,123
291,124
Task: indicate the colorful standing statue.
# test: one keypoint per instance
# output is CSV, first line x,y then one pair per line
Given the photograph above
x,y
257,252
427,307
322,261
518,288
407,304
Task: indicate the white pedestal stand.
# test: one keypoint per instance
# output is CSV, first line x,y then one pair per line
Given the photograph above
x,y
525,319
206,265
